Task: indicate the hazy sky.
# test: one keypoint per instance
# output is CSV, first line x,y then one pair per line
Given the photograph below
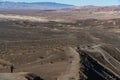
x,y
76,2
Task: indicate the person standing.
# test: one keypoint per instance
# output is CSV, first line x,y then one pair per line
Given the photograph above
x,y
12,68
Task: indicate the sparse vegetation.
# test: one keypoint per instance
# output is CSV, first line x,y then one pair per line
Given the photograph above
x,y
41,57
34,46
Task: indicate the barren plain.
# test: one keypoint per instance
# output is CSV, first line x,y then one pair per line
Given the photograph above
x,y
60,45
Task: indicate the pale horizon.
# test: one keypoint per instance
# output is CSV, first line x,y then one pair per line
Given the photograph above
x,y
75,2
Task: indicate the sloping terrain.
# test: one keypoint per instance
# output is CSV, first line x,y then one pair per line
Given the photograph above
x,y
42,48
98,64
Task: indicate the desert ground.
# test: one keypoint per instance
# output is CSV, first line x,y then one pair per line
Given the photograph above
x,y
60,45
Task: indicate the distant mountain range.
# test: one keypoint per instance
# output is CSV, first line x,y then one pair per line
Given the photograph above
x,y
52,6
35,5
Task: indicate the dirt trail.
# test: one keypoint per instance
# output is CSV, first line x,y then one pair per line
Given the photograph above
x,y
72,72
112,61
118,49
13,76
107,57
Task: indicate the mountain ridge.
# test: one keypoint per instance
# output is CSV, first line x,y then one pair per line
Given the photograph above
x,y
33,5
